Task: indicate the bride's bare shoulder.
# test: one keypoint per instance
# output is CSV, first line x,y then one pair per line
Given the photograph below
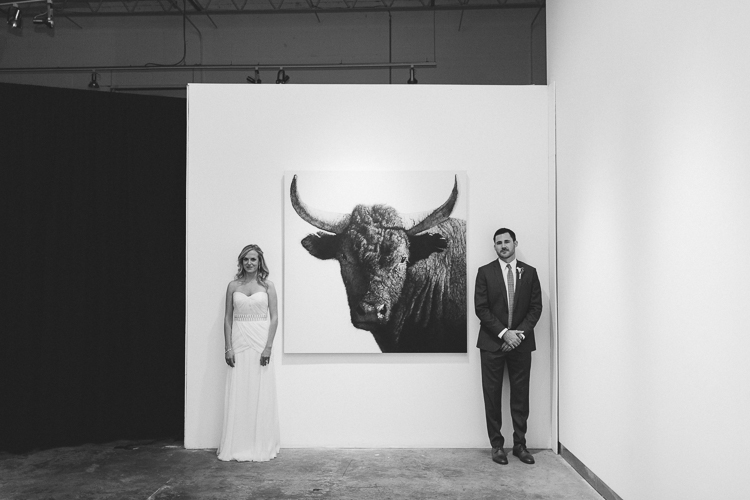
x,y
233,285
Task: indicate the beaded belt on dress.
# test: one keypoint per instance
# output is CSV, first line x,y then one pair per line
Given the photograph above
x,y
250,317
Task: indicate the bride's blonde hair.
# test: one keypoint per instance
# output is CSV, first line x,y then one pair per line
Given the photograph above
x,y
262,273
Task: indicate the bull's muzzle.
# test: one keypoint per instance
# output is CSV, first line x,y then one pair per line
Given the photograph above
x,y
367,315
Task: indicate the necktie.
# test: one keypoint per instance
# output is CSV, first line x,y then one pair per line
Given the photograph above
x,y
511,292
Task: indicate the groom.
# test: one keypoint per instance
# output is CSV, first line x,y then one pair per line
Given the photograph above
x,y
508,302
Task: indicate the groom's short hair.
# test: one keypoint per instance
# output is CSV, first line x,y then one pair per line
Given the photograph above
x,y
503,230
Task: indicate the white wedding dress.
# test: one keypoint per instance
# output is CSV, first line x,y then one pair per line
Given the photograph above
x,y
251,415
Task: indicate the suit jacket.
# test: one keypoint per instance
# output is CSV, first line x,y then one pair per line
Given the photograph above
x,y
491,305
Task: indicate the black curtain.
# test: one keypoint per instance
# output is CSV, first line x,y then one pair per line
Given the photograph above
x,y
93,268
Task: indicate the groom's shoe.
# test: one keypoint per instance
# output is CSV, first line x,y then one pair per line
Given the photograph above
x,y
499,456
523,454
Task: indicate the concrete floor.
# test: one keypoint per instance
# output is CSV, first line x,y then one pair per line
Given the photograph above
x,y
164,470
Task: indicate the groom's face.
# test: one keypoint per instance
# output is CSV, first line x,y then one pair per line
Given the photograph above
x,y
505,247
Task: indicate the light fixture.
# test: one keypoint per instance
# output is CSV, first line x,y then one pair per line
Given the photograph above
x,y
46,17
281,76
412,78
250,79
14,16
93,84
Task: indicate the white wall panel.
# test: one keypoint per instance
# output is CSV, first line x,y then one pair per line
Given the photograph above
x,y
241,141
652,167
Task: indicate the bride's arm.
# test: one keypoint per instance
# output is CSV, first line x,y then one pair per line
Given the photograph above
x,y
273,311
228,313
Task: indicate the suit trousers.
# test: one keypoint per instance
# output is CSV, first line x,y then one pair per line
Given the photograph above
x,y
519,372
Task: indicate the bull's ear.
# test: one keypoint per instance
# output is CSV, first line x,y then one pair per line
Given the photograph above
x,y
324,246
424,245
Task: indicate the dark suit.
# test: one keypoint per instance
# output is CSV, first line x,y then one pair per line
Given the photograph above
x,y
491,306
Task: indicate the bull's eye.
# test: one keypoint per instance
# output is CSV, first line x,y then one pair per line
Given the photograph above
x,y
343,257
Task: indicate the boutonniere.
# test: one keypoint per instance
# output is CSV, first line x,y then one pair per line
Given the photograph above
x,y
520,271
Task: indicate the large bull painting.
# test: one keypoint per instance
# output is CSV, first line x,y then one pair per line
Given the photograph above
x,y
404,274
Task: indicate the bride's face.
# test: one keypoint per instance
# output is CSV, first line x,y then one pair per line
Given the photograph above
x,y
250,262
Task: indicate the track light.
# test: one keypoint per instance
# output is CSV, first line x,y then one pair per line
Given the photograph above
x,y
412,78
93,84
14,16
281,76
46,17
250,79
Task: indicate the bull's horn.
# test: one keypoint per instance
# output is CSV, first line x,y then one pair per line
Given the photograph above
x,y
417,223
327,221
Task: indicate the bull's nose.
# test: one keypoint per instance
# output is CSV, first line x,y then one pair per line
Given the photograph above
x,y
365,309
381,309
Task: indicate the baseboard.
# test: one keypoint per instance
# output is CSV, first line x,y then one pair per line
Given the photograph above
x,y
605,491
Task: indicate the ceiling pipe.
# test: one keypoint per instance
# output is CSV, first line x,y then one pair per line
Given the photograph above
x,y
19,2
218,67
291,10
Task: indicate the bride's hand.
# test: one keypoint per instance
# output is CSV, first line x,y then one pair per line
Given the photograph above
x,y
265,357
229,357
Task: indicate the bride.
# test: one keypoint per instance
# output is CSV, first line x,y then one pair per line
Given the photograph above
x,y
251,416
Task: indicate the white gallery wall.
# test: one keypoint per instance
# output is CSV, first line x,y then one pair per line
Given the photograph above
x,y
242,139
653,157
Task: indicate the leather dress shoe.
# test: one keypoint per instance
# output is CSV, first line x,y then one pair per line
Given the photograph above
x,y
523,455
499,456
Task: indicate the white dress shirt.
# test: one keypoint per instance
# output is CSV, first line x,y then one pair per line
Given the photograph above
x,y
504,266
